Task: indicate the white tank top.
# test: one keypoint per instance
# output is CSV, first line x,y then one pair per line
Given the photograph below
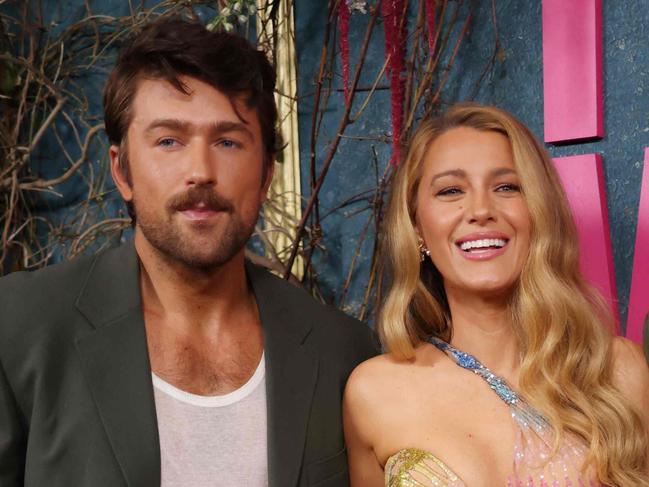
x,y
210,441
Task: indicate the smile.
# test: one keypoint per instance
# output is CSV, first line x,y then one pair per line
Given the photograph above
x,y
482,246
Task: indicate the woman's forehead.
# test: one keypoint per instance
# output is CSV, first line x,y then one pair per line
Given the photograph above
x,y
468,150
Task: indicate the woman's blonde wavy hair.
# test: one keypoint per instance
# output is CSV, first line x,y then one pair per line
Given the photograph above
x,y
562,324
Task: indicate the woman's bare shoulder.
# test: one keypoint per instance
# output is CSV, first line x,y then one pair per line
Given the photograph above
x,y
384,374
372,373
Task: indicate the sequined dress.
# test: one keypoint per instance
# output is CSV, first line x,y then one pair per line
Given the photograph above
x,y
413,467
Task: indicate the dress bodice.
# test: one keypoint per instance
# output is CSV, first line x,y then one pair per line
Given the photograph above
x,y
412,467
534,463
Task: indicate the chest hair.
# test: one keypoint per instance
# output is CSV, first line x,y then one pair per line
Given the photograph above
x,y
204,366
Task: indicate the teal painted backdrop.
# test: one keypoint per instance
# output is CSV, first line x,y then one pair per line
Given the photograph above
x,y
514,83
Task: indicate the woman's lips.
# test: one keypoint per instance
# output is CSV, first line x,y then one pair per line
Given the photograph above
x,y
483,249
482,254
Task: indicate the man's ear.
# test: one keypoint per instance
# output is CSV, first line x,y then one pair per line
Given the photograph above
x,y
119,173
268,179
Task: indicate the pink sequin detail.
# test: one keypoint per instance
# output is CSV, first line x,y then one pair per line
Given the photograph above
x,y
533,461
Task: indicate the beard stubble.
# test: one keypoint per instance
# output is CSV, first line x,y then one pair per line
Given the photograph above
x,y
189,247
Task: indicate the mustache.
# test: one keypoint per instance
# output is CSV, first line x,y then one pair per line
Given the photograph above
x,y
199,195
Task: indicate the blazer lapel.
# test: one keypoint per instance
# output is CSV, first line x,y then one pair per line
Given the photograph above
x,y
115,360
291,373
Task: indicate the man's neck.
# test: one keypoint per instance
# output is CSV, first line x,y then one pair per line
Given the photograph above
x,y
203,328
199,296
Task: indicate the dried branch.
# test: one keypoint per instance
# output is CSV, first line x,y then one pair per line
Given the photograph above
x,y
344,121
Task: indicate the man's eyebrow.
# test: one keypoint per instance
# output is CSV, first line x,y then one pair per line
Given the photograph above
x,y
178,125
168,123
229,126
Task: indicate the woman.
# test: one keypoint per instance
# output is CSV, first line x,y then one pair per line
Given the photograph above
x,y
484,259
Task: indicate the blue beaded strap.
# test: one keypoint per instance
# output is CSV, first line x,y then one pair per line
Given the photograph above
x,y
525,413
469,362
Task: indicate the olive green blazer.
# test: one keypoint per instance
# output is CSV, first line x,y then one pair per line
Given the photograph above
x,y
76,398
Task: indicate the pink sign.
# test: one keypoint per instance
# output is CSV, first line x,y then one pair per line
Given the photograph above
x,y
639,298
583,180
572,69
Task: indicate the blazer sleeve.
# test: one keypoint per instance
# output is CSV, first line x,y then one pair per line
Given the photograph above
x,y
12,437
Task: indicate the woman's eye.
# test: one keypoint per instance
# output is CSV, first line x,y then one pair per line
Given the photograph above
x,y
508,188
453,191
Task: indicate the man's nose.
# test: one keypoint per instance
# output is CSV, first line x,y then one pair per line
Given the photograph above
x,y
202,164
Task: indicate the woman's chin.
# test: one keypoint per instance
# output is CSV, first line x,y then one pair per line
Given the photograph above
x,y
488,289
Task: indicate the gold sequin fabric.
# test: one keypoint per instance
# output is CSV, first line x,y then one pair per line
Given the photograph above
x,y
418,468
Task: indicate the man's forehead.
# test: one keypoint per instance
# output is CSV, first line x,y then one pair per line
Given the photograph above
x,y
190,85
202,104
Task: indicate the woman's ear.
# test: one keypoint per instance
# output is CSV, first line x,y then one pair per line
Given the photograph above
x,y
415,225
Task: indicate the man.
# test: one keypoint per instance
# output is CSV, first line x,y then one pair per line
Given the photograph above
x,y
170,361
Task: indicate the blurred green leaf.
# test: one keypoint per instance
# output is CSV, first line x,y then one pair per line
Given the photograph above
x,y
9,76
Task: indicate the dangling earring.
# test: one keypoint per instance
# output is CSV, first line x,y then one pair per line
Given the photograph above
x,y
423,250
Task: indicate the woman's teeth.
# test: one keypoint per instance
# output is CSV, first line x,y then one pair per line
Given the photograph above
x,y
482,244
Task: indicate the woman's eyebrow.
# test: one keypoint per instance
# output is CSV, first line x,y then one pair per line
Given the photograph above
x,y
451,172
460,173
501,171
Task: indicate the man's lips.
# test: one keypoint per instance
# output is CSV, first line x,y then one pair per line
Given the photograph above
x,y
199,203
200,213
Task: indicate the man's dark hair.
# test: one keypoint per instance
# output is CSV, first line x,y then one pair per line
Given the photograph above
x,y
171,47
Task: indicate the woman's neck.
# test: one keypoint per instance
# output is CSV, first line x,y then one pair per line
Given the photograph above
x,y
482,326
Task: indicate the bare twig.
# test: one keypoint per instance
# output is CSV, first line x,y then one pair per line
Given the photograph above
x,y
344,121
47,183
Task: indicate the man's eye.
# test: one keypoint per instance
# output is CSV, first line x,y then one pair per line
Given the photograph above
x,y
167,142
453,191
228,143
